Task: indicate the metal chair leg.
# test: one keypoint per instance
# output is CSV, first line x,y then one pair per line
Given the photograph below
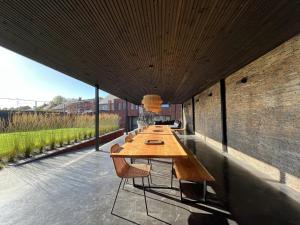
x,y
204,191
145,195
180,189
125,182
150,178
148,181
111,212
149,162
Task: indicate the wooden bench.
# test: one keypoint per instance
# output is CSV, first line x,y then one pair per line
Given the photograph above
x,y
190,169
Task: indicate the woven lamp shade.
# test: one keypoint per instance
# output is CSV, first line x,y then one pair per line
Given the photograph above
x,y
152,100
152,103
153,109
156,110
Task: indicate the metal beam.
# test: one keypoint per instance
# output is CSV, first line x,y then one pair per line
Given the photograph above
x,y
126,116
223,114
193,112
182,124
175,112
97,117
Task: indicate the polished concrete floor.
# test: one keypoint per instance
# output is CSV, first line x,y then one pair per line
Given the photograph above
x,y
79,188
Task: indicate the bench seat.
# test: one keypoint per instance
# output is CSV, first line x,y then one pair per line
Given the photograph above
x,y
190,169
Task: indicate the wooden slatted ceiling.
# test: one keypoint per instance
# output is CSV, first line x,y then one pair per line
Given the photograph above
x,y
174,48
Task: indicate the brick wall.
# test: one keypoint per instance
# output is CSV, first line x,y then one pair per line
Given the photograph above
x,y
188,116
208,113
263,114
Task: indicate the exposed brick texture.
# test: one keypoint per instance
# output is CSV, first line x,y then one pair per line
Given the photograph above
x,y
263,115
188,116
208,113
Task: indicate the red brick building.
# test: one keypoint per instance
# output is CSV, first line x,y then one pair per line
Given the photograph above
x,y
76,106
112,104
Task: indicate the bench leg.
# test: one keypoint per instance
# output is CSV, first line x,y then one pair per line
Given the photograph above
x,y
195,201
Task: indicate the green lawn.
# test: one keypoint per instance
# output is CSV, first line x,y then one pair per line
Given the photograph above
x,y
23,143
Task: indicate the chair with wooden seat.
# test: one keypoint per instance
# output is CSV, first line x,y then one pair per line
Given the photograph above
x,y
125,170
128,138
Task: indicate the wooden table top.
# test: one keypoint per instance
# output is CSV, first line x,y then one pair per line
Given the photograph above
x,y
158,129
138,149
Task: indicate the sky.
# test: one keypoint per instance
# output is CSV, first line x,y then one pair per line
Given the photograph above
x,y
23,78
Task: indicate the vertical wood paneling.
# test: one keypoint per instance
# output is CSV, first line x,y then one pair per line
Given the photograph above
x,y
174,48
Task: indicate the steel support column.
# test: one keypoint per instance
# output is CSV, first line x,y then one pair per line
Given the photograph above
x,y
175,112
126,116
97,111
182,124
223,114
193,112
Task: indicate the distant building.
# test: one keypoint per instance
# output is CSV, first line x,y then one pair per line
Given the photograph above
x,y
115,105
76,106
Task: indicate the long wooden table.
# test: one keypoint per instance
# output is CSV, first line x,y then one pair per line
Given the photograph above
x,y
138,149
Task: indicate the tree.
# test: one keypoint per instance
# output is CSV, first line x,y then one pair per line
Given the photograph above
x,y
41,107
57,100
23,108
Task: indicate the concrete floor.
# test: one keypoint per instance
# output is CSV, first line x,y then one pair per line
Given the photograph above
x,y
79,188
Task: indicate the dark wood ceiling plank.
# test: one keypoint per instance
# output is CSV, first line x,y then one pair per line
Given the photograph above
x,y
191,44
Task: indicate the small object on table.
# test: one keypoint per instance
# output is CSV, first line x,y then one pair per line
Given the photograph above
x,y
154,142
157,130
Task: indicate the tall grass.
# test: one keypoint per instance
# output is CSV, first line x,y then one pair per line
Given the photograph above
x,y
27,133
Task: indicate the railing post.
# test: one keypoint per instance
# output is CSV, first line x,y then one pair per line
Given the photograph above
x,y
223,114
126,116
97,117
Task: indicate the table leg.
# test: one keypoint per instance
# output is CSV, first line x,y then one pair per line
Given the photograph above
x,y
172,175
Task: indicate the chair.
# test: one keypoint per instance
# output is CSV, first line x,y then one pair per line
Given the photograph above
x,y
129,138
126,171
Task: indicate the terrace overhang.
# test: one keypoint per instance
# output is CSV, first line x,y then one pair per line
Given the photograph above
x,y
132,48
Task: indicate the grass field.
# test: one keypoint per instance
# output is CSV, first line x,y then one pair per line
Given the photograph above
x,y
23,143
32,133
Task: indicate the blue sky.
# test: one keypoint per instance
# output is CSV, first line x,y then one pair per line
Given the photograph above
x,y
24,78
